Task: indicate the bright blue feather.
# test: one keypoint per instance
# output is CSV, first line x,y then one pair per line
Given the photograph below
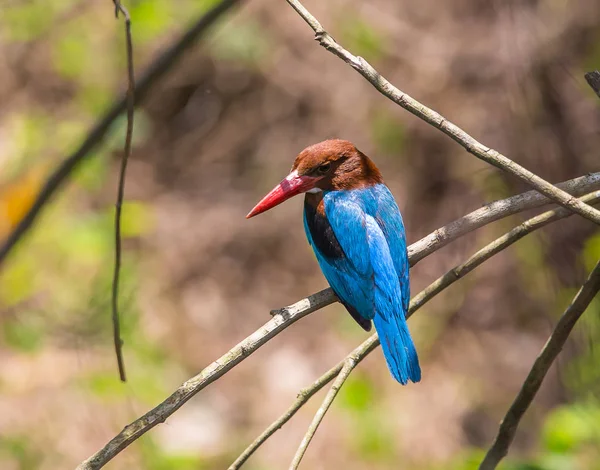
x,y
372,276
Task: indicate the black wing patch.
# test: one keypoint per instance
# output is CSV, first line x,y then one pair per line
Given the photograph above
x,y
322,234
364,323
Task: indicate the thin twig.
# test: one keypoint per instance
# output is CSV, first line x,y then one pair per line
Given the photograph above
x,y
495,211
497,246
432,117
156,70
593,79
417,302
121,191
349,364
540,368
303,396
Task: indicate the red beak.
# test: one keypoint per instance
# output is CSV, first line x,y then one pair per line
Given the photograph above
x,y
292,185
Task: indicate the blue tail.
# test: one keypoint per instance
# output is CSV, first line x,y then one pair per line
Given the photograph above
x,y
398,348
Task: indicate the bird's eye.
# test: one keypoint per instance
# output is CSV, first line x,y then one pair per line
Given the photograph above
x,y
324,168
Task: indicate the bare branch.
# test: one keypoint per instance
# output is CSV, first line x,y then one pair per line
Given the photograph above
x,y
282,319
495,211
430,116
417,302
593,79
540,368
121,191
157,69
497,246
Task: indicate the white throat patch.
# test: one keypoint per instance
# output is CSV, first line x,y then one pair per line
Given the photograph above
x,y
314,190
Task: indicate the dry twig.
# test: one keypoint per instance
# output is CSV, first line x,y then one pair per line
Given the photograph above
x,y
121,191
432,117
495,211
593,79
540,368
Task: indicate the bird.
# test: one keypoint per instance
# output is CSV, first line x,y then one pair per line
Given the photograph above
x,y
356,231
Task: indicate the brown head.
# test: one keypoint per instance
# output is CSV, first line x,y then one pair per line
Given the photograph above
x,y
331,165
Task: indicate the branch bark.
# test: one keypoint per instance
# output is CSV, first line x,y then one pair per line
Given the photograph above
x,y
593,79
155,71
417,302
430,116
540,368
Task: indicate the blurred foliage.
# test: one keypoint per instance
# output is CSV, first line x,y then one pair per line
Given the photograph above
x,y
361,37
54,290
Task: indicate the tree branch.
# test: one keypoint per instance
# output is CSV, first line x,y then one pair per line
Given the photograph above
x,y
540,368
121,191
495,211
282,318
593,79
155,71
430,116
417,302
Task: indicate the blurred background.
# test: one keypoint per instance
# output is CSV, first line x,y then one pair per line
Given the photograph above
x,y
210,140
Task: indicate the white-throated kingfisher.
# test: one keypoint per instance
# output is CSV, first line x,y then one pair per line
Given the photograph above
x,y
355,228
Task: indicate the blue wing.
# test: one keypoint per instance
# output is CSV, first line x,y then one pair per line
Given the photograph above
x,y
371,275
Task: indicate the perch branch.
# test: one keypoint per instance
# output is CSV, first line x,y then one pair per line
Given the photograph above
x,y
430,116
282,318
540,368
121,191
417,302
156,70
593,79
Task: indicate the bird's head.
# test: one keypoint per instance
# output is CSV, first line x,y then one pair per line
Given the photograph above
x,y
331,165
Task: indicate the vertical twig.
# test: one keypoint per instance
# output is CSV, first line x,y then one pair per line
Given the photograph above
x,y
542,364
121,190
